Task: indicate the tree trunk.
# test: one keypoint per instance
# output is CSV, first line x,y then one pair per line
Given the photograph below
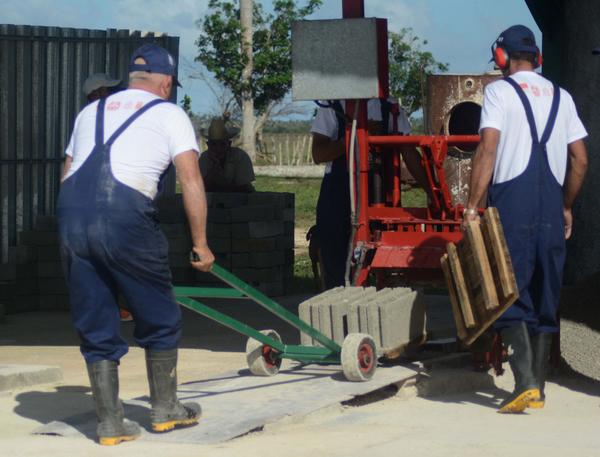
x,y
248,119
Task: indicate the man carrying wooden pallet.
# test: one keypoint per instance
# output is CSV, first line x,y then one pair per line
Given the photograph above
x,y
533,180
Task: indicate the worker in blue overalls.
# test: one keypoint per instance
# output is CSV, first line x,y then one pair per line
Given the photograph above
x,y
111,241
532,161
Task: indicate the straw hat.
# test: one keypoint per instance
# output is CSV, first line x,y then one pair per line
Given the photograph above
x,y
217,130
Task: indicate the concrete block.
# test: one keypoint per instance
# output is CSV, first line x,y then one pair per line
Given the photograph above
x,y
22,254
240,260
288,215
18,376
288,228
47,253
285,242
271,289
254,245
253,213
266,259
402,319
219,215
13,272
179,230
25,303
171,215
169,202
54,302
46,223
49,270
307,314
214,230
260,229
35,238
259,275
226,199
219,245
278,199
180,245
52,286
183,276
25,286
335,59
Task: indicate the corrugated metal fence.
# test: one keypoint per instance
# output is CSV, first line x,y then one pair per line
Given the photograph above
x,y
42,70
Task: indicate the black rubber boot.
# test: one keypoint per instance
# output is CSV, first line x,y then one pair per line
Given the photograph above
x,y
520,358
167,412
540,344
112,429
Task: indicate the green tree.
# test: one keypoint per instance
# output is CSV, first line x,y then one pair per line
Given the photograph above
x,y
409,67
265,74
186,104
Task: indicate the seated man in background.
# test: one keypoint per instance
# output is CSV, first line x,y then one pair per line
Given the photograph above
x,y
223,167
100,85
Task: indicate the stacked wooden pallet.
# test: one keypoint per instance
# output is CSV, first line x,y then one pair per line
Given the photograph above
x,y
480,276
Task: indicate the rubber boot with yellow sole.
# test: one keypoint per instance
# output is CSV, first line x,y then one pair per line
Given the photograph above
x,y
540,345
167,411
520,359
112,428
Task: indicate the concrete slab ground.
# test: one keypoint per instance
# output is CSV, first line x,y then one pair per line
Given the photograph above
x,y
457,417
18,376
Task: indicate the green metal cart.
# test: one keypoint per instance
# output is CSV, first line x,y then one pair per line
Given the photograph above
x,y
264,349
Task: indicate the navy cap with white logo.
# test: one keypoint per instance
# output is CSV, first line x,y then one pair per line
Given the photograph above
x,y
157,60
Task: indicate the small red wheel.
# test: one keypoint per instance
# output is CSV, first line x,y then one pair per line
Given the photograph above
x,y
263,359
359,357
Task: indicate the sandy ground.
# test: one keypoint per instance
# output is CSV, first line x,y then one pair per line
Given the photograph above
x,y
464,424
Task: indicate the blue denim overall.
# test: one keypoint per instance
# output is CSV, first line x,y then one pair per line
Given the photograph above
x,y
333,222
110,241
531,211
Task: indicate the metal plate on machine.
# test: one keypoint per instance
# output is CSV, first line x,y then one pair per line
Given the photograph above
x,y
335,59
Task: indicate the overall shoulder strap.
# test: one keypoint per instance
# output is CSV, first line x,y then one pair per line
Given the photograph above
x,y
527,106
132,118
552,116
100,122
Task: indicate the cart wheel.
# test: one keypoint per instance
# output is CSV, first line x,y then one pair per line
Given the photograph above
x,y
359,357
262,359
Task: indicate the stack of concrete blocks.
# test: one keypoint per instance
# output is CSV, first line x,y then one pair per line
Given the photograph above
x,y
34,274
251,235
394,317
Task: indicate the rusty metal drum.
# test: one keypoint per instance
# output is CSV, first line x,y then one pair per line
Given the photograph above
x,y
453,107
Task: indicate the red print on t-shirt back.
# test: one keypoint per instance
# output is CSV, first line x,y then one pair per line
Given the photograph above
x,y
536,91
138,105
112,106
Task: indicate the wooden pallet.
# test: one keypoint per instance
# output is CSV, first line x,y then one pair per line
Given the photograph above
x,y
480,277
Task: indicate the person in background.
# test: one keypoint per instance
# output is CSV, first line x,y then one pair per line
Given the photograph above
x,y
333,207
100,85
223,167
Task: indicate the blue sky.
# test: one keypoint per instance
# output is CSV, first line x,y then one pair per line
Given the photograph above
x,y
458,31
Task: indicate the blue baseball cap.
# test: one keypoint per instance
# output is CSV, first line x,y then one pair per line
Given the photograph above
x,y
158,60
517,38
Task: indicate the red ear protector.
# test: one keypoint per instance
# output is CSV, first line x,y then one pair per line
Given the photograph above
x,y
502,59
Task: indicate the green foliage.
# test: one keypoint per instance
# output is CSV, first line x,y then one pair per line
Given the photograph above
x,y
186,104
219,47
409,67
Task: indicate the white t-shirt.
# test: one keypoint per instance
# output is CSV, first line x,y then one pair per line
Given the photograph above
x,y
504,111
326,123
145,149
